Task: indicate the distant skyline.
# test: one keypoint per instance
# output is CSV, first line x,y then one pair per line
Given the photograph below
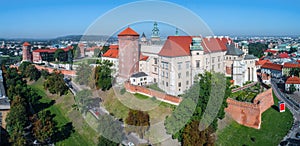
x,y
53,18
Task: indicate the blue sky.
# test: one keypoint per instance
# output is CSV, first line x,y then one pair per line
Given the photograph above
x,y
52,18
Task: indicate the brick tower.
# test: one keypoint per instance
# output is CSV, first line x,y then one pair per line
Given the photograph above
x,y
26,52
129,53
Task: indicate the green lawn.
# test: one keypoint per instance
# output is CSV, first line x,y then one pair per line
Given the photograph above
x,y
274,127
64,114
141,96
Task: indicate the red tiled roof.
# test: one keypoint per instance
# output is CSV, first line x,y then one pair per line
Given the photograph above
x,y
128,32
51,50
293,80
26,44
271,51
176,46
262,62
214,44
291,65
180,45
112,53
272,66
284,55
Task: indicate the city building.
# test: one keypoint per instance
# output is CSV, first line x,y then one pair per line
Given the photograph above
x,y
4,103
140,79
294,80
47,55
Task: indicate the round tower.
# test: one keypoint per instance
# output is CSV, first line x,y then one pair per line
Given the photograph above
x,y
129,53
26,52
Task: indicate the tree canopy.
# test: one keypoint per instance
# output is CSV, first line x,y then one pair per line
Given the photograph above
x,y
103,77
138,122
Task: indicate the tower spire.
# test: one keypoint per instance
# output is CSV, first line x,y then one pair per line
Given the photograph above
x,y
155,33
176,32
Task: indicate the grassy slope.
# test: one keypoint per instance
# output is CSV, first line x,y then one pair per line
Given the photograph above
x,y
83,135
274,127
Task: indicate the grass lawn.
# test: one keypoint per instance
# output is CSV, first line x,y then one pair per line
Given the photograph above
x,y
64,114
274,127
141,96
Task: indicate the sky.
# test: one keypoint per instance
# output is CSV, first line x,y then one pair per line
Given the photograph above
x,y
53,18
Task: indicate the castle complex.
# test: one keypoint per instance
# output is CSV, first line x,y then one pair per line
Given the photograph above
x,y
174,63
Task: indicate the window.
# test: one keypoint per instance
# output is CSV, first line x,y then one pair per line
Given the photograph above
x,y
213,67
197,63
141,79
219,65
155,60
162,73
213,60
187,65
179,75
179,65
197,53
206,60
167,74
155,69
187,74
145,78
167,84
179,84
187,82
219,58
133,80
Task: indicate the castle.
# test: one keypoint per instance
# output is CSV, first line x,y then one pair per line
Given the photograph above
x,y
174,63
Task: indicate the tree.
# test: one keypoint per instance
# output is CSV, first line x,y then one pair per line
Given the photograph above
x,y
83,98
97,52
292,88
200,103
103,77
138,122
56,84
102,141
32,72
192,136
84,73
23,66
110,129
43,126
295,72
59,55
257,49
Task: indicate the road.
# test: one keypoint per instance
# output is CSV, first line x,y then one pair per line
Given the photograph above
x,y
293,106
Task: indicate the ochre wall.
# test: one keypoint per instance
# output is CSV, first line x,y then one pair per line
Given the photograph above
x,y
249,114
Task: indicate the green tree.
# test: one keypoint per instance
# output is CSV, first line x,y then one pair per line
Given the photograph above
x,y
138,122
195,102
292,88
295,72
110,129
102,141
103,77
97,52
23,66
43,126
257,49
84,73
32,72
59,55
56,84
83,98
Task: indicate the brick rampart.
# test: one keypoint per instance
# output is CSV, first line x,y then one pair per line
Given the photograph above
x,y
152,93
50,70
249,114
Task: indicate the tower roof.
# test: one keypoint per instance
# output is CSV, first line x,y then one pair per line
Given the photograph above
x,y
26,44
128,32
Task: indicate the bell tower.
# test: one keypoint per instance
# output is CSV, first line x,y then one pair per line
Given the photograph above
x,y
155,33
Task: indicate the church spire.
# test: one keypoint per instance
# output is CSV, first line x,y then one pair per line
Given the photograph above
x,y
155,33
176,32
